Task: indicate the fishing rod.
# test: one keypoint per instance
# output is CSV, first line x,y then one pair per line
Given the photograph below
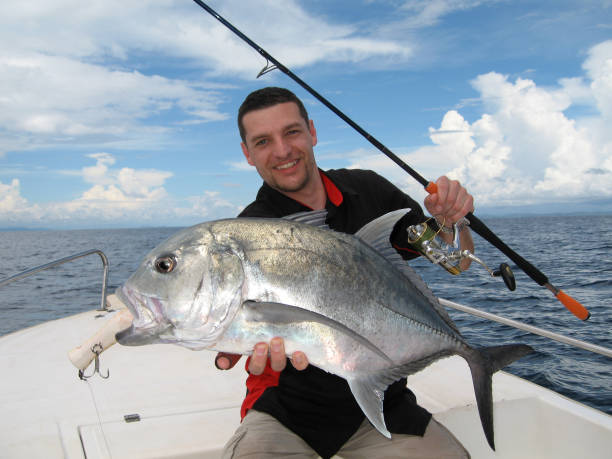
x,y
475,223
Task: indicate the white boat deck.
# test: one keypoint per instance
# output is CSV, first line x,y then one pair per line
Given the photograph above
x,y
188,408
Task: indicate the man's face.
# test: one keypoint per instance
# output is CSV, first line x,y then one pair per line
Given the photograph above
x,y
279,144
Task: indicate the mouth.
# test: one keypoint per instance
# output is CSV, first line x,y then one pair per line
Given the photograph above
x,y
286,166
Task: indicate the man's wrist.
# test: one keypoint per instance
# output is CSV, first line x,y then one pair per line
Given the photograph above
x,y
462,223
459,224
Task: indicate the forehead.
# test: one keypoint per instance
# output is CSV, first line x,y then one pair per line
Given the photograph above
x,y
265,120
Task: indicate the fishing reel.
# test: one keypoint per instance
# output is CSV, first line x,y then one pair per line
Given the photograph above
x,y
424,239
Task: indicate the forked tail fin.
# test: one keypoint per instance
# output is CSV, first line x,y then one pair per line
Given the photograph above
x,y
483,363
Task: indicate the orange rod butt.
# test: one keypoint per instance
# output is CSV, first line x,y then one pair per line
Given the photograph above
x,y
573,306
431,188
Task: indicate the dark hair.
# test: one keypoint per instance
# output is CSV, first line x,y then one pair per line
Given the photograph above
x,y
264,98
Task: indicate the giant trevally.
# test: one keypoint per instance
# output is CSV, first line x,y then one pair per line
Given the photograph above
x,y
349,302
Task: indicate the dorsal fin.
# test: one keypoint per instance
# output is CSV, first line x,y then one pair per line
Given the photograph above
x,y
377,234
310,217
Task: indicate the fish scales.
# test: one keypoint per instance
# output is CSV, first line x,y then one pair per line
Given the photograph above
x,y
345,297
302,257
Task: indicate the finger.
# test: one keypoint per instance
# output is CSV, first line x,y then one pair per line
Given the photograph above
x,y
457,204
278,359
464,203
225,361
467,205
259,359
454,202
453,192
299,360
443,189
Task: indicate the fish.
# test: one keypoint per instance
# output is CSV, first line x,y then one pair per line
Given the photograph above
x,y
349,302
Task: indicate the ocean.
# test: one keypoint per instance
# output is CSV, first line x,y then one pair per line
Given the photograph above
x,y
575,252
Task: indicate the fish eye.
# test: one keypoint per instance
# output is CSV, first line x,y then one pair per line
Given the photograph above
x,y
165,264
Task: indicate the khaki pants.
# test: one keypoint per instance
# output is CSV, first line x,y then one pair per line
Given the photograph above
x,y
261,436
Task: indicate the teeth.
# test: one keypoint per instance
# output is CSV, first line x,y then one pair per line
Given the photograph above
x,y
288,165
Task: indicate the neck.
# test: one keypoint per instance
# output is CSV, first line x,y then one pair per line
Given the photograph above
x,y
312,195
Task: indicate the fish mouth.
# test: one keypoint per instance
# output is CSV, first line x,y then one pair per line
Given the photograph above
x,y
133,336
145,309
149,322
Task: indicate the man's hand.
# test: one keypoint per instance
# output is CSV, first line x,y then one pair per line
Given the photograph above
x,y
259,358
450,203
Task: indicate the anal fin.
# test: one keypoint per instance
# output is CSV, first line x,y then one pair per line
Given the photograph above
x,y
370,395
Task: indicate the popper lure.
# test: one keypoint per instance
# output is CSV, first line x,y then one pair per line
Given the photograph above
x,y
475,223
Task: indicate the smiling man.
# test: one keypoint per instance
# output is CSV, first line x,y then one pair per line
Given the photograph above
x,y
279,142
299,410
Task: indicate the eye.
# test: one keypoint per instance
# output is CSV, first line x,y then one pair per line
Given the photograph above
x,y
165,264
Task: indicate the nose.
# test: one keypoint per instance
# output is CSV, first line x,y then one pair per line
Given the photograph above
x,y
282,148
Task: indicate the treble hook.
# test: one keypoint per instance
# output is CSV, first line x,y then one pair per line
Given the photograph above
x,y
267,68
97,350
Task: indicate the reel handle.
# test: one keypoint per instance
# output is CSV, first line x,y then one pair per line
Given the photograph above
x,y
507,275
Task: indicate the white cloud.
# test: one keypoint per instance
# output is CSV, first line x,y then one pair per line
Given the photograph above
x,y
123,196
599,69
286,39
207,204
98,174
14,208
117,193
524,148
429,12
70,71
241,166
56,99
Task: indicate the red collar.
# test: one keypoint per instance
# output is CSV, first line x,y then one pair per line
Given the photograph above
x,y
333,193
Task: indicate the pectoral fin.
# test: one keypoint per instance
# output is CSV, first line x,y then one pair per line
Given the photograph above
x,y
279,313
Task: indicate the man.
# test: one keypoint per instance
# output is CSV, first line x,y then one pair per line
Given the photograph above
x,y
299,410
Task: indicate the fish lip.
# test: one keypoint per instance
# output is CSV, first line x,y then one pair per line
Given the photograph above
x,y
146,311
138,336
123,294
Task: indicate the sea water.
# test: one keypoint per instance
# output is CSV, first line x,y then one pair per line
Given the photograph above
x,y
575,252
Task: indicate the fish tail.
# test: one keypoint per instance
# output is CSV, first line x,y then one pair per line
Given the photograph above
x,y
483,363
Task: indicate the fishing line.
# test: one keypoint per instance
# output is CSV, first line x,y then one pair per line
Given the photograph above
x,y
95,403
475,223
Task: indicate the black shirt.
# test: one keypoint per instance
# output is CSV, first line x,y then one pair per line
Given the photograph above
x,y
316,405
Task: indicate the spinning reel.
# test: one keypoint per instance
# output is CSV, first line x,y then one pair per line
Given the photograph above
x,y
425,240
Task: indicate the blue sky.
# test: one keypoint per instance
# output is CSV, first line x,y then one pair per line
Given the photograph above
x,y
122,113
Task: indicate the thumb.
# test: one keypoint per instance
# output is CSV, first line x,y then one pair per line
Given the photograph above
x,y
225,361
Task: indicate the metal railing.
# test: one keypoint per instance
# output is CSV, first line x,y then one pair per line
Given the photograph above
x,y
529,328
61,261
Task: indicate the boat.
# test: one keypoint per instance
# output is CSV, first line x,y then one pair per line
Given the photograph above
x,y
162,401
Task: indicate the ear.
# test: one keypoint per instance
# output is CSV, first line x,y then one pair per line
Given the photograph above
x,y
245,152
313,132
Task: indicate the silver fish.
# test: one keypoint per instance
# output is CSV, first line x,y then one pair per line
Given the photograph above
x,y
349,302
